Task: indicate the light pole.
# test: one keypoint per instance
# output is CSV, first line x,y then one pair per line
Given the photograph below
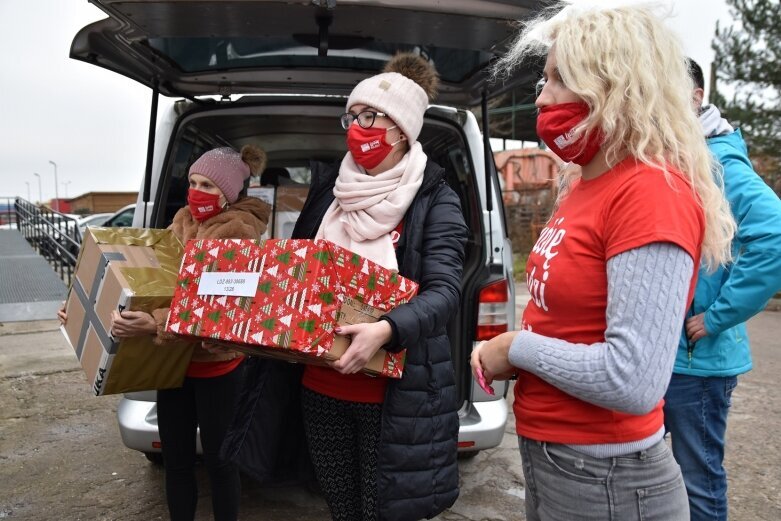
x,y
40,193
65,184
28,189
56,188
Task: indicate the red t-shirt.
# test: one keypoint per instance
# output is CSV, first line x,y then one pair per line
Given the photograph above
x,y
212,369
358,387
630,206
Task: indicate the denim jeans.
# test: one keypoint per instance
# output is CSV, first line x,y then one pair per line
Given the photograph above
x,y
563,484
695,415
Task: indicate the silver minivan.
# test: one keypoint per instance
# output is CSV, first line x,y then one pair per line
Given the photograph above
x,y
276,73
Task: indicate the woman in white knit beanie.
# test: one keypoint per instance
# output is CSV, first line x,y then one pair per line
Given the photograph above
x,y
383,448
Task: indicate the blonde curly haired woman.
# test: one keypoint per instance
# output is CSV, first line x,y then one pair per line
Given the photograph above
x,y
613,271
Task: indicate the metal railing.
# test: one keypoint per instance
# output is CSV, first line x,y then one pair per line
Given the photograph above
x,y
54,235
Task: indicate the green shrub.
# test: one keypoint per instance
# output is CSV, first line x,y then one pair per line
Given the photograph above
x,y
519,265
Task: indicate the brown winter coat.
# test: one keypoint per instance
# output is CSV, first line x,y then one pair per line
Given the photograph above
x,y
247,218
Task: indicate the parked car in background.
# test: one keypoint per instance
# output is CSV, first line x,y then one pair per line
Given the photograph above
x,y
96,219
55,234
121,218
77,229
284,88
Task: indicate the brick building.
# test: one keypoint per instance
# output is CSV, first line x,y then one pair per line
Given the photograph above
x,y
98,202
529,181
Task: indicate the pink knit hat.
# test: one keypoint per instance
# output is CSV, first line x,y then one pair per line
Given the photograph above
x,y
225,168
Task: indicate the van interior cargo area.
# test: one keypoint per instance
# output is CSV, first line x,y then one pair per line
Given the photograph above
x,y
292,135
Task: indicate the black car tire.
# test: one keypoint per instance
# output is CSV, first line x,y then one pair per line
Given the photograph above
x,y
468,455
154,457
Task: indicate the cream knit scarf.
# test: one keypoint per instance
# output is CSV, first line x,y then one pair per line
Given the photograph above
x,y
368,207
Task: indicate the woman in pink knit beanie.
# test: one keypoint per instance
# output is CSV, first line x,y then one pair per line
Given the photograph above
x,y
207,399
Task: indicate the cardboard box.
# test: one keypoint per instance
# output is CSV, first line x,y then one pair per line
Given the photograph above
x,y
382,363
283,298
265,194
124,268
288,203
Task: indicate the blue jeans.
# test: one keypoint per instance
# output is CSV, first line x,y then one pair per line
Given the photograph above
x,y
563,484
695,415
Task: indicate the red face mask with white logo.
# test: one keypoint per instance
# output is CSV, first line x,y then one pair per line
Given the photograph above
x,y
368,145
554,126
203,205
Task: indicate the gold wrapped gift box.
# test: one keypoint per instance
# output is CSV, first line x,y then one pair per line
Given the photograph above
x,y
118,269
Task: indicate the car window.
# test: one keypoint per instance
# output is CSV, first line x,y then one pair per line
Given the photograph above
x,y
95,220
122,220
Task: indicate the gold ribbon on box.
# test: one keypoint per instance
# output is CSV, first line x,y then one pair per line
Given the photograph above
x,y
168,251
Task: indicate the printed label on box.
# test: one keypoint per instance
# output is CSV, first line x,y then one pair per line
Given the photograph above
x,y
233,283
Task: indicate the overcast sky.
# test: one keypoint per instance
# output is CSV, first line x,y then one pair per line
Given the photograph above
x,y
94,123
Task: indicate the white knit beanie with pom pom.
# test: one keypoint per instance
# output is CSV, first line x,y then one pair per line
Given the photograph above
x,y
402,92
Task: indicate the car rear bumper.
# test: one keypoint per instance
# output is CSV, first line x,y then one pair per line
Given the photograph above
x,y
482,425
138,424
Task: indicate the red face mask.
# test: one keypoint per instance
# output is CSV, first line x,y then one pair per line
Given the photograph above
x,y
203,205
368,146
554,126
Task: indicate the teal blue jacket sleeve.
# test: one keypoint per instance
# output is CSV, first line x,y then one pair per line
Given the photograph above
x,y
755,275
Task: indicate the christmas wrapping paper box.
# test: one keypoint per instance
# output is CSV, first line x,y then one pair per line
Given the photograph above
x,y
283,298
117,269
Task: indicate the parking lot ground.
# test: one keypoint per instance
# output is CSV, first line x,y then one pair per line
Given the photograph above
x,y
61,456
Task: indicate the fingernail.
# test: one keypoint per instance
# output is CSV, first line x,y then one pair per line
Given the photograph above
x,y
338,330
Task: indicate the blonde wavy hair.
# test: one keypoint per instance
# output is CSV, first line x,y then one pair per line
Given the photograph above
x,y
630,70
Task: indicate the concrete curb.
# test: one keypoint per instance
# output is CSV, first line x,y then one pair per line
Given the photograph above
x,y
29,326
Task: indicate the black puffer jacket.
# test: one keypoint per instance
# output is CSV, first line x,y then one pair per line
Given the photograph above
x,y
417,467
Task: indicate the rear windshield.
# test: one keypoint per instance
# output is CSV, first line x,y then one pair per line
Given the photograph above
x,y
299,51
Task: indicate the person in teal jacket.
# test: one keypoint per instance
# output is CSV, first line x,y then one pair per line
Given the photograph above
x,y
714,346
